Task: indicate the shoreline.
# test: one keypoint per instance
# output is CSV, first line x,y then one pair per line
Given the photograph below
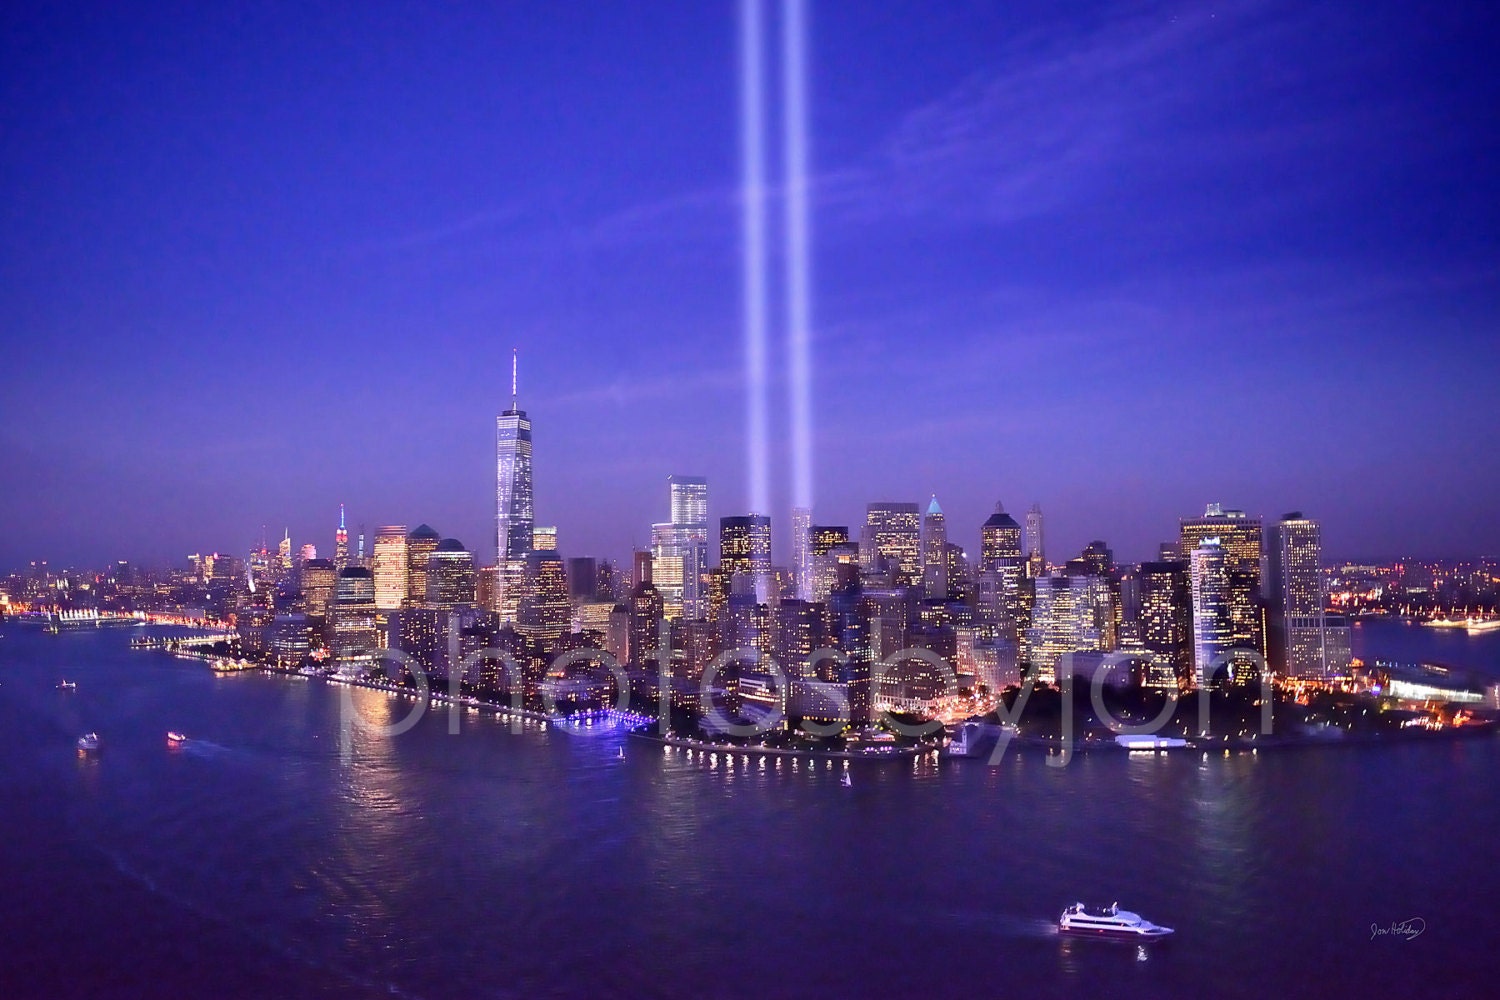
x,y
438,698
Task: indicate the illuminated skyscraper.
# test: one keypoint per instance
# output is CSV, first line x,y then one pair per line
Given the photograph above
x,y
666,567
645,616
1002,589
390,567
1071,614
689,498
487,588
419,545
745,552
1213,621
1240,538
341,544
284,555
544,538
510,589
513,512
318,580
999,539
679,549
802,571
642,568
822,540
354,626
892,535
545,613
1298,636
934,552
1036,554
1166,615
450,575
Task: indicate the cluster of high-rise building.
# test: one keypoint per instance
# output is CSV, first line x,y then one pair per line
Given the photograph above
x,y
890,613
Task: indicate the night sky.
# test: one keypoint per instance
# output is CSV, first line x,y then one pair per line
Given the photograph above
x,y
1121,260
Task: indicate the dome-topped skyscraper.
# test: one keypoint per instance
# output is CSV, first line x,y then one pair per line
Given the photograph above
x,y
419,545
450,575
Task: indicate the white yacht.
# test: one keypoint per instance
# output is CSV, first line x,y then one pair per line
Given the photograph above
x,y
1108,922
88,743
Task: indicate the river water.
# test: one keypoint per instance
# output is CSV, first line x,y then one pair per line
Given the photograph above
x,y
272,855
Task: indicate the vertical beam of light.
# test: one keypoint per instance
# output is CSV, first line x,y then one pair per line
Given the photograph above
x,y
798,309
753,247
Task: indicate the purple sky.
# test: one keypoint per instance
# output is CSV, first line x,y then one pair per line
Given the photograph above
x,y
1118,259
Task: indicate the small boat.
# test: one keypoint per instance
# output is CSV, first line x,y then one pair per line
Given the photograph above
x,y
1150,742
845,780
68,686
88,743
621,754
1110,922
175,738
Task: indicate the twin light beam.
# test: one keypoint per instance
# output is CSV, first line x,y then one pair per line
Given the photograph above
x,y
754,249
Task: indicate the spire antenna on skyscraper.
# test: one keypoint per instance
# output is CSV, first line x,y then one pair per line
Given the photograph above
x,y
514,371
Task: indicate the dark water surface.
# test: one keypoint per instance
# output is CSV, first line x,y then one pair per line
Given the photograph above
x,y
263,858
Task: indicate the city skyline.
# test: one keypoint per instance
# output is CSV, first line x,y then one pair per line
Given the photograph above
x,y
1039,276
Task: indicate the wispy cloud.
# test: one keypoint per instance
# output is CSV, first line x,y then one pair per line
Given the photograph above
x,y
476,222
1053,115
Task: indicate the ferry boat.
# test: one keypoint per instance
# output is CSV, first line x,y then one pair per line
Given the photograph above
x,y
1473,624
68,686
1110,922
1150,742
88,743
174,737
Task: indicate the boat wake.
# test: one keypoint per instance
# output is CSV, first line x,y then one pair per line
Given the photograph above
x,y
1002,924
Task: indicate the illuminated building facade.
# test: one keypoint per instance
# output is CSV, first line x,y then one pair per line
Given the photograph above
x,y
389,560
688,499
318,581
513,509
934,552
892,536
354,624
450,575
510,589
545,614
419,545
1070,614
284,555
645,618
802,567
1213,621
1165,619
1240,539
1036,556
745,552
822,540
999,541
1297,598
